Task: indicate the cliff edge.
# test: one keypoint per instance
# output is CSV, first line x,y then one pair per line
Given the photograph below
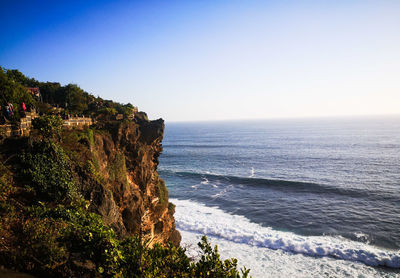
x,y
84,202
121,182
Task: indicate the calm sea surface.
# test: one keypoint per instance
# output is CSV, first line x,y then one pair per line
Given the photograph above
x,y
319,196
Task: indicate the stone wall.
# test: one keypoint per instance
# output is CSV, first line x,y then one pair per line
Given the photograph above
x,y
25,124
8,130
78,122
23,128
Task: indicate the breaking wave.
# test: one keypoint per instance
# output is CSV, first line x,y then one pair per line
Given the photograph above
x,y
194,217
285,185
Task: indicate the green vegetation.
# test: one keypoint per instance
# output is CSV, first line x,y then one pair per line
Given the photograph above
x,y
158,261
117,168
48,126
46,169
171,208
71,99
5,182
210,264
90,136
162,192
13,92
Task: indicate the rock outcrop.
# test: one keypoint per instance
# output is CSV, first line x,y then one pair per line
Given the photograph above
x,y
125,188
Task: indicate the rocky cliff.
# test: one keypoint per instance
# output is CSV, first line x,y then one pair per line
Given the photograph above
x,y
81,202
121,180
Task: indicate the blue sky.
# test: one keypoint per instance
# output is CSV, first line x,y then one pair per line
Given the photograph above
x,y
214,60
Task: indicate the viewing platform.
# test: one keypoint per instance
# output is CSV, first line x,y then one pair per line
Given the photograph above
x,y
77,122
23,127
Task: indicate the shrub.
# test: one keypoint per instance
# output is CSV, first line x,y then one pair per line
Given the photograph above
x,y
210,264
6,186
49,126
90,136
83,233
117,168
170,261
106,113
162,192
171,208
47,170
41,251
88,236
141,261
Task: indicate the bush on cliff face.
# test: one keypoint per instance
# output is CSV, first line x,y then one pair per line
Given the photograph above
x,y
162,192
6,187
74,234
53,241
40,251
117,168
158,261
88,236
46,169
170,261
48,126
211,265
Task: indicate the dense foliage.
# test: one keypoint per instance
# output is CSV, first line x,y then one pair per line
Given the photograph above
x,y
71,98
14,93
5,182
48,125
46,169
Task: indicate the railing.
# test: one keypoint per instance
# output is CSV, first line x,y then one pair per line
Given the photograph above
x,y
77,121
23,128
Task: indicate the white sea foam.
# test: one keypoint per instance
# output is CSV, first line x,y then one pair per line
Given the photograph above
x,y
199,219
222,192
251,172
361,236
204,181
268,263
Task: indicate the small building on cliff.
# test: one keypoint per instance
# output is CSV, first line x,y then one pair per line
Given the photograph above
x,y
34,91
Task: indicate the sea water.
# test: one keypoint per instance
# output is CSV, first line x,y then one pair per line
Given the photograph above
x,y
290,198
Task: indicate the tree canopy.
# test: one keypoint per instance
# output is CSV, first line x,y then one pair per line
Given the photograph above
x,y
70,97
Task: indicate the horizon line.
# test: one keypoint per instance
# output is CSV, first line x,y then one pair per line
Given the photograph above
x,y
395,115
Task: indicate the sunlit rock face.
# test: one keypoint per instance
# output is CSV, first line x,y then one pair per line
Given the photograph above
x,y
127,191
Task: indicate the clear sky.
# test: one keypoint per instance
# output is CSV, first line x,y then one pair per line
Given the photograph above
x,y
214,60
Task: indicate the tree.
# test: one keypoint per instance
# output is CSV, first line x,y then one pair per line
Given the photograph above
x,y
49,126
20,78
13,92
52,93
76,99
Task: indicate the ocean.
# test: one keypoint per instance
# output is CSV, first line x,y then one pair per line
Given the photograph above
x,y
290,198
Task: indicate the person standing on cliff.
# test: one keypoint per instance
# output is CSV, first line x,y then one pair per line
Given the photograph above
x,y
23,108
10,109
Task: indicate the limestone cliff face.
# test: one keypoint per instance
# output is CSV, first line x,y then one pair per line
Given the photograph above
x,y
126,189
